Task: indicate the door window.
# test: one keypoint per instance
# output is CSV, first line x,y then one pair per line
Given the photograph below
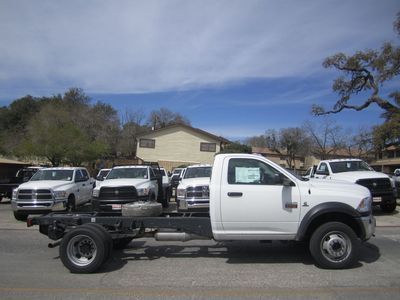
x,y
254,172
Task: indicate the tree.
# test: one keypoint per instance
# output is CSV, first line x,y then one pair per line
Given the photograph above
x,y
360,144
164,117
326,138
365,73
236,147
289,142
256,141
132,126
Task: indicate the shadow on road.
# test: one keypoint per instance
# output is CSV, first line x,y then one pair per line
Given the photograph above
x,y
236,252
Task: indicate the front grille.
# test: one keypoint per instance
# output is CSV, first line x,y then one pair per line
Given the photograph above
x,y
118,193
33,195
198,192
376,185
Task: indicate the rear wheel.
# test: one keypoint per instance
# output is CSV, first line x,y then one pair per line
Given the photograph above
x,y
106,236
83,250
334,245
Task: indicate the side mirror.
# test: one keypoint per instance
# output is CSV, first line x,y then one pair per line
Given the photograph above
x,y
99,178
287,182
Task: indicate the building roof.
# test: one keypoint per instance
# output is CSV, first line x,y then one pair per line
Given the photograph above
x,y
12,162
263,150
210,135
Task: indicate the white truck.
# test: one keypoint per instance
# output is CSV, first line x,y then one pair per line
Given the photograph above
x,y
125,184
52,189
251,198
193,191
382,188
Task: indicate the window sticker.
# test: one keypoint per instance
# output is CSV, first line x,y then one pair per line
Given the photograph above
x,y
247,175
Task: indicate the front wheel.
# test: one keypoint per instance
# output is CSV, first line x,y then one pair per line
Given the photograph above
x,y
83,250
388,207
20,216
334,245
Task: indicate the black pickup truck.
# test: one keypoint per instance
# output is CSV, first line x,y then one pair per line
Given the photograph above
x,y
23,175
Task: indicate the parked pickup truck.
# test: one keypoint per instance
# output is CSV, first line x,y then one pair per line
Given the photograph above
x,y
23,175
251,198
382,188
52,189
193,191
125,184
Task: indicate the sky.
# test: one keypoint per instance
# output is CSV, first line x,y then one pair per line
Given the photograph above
x,y
233,68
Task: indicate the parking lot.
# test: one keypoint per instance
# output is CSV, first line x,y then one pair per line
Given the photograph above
x,y
148,269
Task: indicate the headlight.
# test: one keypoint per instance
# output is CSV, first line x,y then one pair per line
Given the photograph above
x,y
14,194
143,191
60,194
96,193
181,193
365,205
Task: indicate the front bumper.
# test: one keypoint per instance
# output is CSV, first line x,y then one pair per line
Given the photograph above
x,y
37,205
368,226
193,204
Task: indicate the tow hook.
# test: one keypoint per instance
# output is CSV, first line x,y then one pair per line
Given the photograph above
x,y
53,245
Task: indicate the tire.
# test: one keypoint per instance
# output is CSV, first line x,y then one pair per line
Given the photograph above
x,y
142,209
106,236
121,243
388,207
334,245
83,250
20,216
71,204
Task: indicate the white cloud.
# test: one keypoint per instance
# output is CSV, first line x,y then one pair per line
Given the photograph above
x,y
148,46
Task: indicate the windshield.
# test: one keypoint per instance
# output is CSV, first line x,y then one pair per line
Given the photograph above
x,y
103,173
198,172
349,166
128,173
53,175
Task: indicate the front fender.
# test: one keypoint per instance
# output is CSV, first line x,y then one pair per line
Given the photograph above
x,y
327,208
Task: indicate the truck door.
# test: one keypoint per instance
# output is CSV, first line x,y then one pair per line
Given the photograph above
x,y
255,202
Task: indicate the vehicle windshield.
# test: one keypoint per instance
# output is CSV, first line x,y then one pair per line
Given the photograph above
x,y
65,175
349,166
128,173
103,173
198,172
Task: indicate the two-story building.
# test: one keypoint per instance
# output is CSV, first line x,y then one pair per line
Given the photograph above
x,y
179,145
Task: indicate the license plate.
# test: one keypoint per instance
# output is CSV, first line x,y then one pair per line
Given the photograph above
x,y
116,206
376,199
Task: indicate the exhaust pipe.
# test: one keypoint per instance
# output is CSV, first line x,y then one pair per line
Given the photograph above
x,y
178,236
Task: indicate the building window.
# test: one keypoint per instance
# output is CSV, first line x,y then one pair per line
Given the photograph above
x,y
208,147
147,143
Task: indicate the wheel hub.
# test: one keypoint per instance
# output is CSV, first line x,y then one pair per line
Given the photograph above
x,y
335,246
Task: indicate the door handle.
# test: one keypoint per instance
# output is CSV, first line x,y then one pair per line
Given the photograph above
x,y
291,205
235,194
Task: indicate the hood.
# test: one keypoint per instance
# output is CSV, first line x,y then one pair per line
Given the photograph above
x,y
123,182
45,184
336,185
356,175
194,182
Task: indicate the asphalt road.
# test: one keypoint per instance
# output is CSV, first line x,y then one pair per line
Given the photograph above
x,y
196,270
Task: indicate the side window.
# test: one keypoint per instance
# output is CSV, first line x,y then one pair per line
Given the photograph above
x,y
152,175
85,174
322,169
78,175
252,171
